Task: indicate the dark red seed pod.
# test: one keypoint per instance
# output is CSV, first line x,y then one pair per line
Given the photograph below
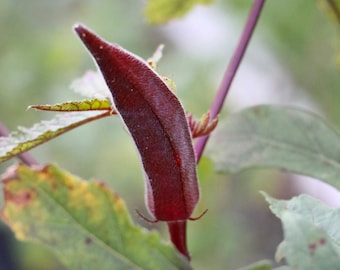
x,y
158,125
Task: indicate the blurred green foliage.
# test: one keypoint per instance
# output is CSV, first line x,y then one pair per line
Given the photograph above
x,y
40,56
161,11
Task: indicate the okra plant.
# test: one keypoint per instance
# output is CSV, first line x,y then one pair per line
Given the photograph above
x,y
45,204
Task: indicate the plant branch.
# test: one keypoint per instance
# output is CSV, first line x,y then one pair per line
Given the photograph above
x,y
26,158
230,73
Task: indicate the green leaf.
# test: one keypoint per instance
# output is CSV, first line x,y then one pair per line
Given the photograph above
x,y
308,246
76,106
311,232
310,209
278,137
84,223
26,138
161,11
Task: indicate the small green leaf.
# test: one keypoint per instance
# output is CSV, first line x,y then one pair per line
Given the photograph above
x,y
278,137
307,246
84,223
311,210
161,11
76,106
311,230
26,138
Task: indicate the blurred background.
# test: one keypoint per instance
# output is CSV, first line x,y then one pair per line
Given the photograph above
x,y
291,61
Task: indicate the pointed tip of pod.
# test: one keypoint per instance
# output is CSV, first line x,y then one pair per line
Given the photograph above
x,y
91,41
77,25
88,37
79,28
83,32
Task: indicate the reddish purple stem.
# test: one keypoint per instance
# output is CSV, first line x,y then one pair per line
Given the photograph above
x,y
230,73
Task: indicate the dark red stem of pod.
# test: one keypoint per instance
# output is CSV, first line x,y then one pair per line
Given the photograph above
x,y
177,231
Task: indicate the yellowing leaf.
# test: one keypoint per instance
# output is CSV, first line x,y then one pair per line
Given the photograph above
x,y
161,11
26,138
332,9
76,106
84,223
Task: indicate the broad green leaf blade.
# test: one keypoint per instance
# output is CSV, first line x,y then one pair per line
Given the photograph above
x,y
76,106
84,223
308,246
278,137
310,209
161,11
26,138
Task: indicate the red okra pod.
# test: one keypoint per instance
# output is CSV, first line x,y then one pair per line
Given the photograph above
x,y
157,122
